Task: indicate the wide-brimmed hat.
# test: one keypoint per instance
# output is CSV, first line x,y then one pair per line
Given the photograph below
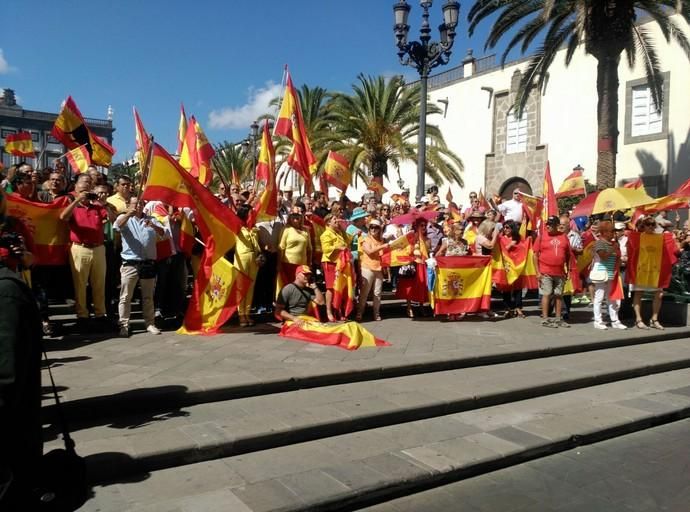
x,y
358,213
375,222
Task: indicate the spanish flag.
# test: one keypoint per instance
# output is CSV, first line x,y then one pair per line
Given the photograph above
x,y
400,251
187,239
532,207
337,171
483,202
220,292
20,144
290,124
181,130
463,284
650,259
550,205
169,183
376,185
197,153
346,335
141,138
267,206
638,183
316,226
70,129
344,285
78,159
42,220
584,259
508,262
573,185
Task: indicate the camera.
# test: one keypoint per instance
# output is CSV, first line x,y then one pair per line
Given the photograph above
x,y
92,196
10,239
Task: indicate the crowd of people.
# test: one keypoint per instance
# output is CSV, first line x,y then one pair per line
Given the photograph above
x,y
118,241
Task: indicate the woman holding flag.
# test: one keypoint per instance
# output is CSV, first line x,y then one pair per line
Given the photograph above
x,y
412,284
334,241
605,276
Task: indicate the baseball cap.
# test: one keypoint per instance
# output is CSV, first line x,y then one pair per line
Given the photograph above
x,y
303,269
619,226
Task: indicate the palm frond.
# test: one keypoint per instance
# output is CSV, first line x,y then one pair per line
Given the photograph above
x,y
645,48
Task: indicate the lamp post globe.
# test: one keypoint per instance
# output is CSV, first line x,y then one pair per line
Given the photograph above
x,y
424,55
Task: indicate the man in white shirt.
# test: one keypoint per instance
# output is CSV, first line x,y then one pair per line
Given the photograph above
x,y
512,209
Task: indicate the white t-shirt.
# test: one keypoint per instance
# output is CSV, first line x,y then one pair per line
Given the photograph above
x,y
511,210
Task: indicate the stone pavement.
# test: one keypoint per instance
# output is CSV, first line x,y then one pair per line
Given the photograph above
x,y
647,471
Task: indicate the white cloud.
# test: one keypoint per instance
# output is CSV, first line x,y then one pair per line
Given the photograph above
x,y
243,116
4,65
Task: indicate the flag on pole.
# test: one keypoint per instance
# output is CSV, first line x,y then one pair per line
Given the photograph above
x,y
20,144
267,206
573,185
197,153
290,124
376,185
337,171
141,139
181,130
71,129
550,206
78,159
483,203
235,178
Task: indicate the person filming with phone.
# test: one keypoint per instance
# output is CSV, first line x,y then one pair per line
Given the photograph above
x,y
86,216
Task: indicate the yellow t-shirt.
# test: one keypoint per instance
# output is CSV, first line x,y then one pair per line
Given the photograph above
x,y
295,245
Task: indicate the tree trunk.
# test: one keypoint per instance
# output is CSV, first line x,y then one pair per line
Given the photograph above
x,y
607,119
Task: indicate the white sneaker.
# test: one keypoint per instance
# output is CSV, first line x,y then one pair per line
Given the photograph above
x,y
618,325
600,325
153,329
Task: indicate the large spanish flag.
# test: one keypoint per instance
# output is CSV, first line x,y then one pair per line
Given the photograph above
x,y
70,129
290,124
20,144
171,184
508,262
346,335
337,171
650,259
400,251
463,284
220,293
42,220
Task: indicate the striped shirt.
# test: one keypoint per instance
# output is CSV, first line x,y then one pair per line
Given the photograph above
x,y
609,264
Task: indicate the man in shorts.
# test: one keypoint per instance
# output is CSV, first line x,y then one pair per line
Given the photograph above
x,y
552,255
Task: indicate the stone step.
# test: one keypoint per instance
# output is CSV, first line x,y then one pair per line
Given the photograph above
x,y
213,430
358,469
129,396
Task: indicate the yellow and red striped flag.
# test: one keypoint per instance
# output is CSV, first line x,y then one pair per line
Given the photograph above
x,y
573,185
337,171
376,185
400,251
197,153
78,159
290,124
483,203
346,335
71,129
42,220
181,130
20,144
550,206
634,184
650,259
141,138
267,206
463,284
344,284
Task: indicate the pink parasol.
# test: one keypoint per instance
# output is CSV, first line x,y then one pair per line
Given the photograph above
x,y
414,214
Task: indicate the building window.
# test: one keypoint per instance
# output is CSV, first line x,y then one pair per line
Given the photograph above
x,y
645,119
643,123
516,133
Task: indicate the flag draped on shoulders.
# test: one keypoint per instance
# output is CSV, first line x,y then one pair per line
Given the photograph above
x,y
650,259
290,124
42,220
20,144
463,284
512,265
71,129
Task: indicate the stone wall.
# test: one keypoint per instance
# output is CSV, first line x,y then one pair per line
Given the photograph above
x,y
501,167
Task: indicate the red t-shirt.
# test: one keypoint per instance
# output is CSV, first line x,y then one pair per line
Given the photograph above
x,y
553,252
86,224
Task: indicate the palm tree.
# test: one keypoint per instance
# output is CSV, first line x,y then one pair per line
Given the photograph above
x,y
230,156
607,28
378,124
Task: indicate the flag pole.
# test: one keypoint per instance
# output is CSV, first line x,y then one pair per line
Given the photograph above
x,y
146,169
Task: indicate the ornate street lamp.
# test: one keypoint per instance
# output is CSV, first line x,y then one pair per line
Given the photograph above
x,y
424,55
250,144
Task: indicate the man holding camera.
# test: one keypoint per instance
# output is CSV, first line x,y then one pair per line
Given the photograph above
x,y
86,217
294,299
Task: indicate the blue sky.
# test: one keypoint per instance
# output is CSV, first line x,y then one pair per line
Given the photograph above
x,y
223,59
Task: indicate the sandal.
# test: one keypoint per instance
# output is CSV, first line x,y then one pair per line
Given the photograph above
x,y
410,312
641,325
654,324
519,313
